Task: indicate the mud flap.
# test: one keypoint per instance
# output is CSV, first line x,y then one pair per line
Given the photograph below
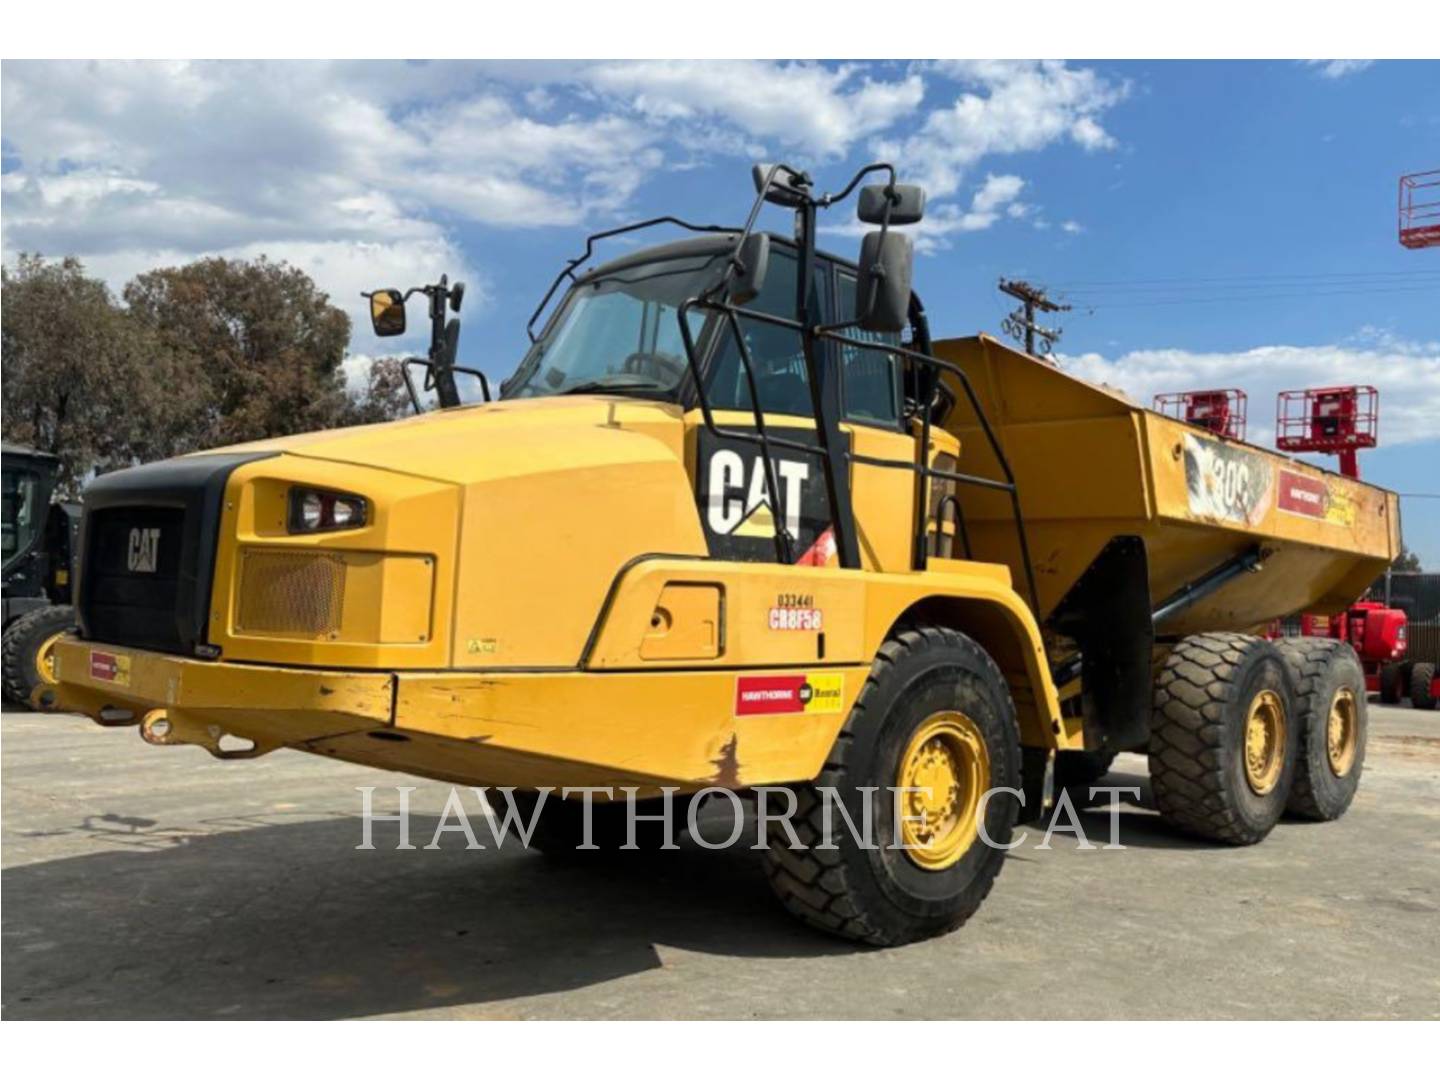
x,y
1107,613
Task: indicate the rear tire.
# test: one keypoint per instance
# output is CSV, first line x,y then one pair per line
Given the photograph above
x,y
925,679
1422,686
1332,724
1222,745
25,647
1391,688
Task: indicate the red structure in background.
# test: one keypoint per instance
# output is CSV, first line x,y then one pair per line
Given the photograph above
x,y
1332,420
1218,411
1420,209
1378,635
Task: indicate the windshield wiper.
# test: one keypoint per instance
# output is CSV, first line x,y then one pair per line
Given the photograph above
x,y
611,385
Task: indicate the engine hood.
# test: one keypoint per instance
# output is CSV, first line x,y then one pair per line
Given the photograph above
x,y
500,439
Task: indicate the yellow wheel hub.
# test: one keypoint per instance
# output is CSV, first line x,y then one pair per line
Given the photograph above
x,y
1265,742
1342,734
45,659
947,762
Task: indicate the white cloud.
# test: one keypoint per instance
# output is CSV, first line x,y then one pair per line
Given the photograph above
x,y
1071,227
1338,69
363,170
820,110
997,197
1005,107
1407,374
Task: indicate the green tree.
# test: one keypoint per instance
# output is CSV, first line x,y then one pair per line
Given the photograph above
x,y
384,396
1407,562
265,344
81,379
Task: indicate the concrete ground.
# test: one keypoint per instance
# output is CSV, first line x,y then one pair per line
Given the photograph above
x,y
147,882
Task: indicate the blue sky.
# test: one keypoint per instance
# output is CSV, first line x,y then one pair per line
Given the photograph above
x,y
1214,224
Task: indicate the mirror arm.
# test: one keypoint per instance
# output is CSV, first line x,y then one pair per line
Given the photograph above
x,y
733,263
826,201
410,384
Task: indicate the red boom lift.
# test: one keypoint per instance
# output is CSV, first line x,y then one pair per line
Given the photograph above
x,y
1343,420
1334,420
1218,411
1420,209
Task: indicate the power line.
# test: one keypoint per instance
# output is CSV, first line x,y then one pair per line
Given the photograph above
x,y
1021,325
1338,275
1251,296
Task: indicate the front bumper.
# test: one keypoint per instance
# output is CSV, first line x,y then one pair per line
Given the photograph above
x,y
269,706
527,729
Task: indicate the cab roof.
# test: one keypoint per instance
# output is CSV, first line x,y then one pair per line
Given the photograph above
x,y
706,244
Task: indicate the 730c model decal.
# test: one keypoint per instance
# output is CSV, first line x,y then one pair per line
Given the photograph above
x,y
1225,482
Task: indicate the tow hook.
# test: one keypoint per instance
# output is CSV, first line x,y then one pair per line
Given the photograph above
x,y
159,728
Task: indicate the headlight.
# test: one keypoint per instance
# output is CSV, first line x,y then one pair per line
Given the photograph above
x,y
314,510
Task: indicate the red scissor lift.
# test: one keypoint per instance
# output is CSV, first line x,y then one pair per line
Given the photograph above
x,y
1331,420
1219,411
1420,209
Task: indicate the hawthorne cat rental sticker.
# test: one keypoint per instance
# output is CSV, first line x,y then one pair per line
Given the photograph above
x,y
770,695
108,667
1315,497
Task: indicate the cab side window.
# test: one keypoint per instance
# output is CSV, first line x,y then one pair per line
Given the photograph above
x,y
869,377
20,523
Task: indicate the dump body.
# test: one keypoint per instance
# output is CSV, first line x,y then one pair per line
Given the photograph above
x,y
1091,465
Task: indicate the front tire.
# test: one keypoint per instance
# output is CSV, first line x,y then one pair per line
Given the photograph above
x,y
936,714
1332,724
1422,686
1222,744
1392,687
25,650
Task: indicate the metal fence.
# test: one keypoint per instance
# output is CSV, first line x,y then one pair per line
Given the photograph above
x,y
1418,595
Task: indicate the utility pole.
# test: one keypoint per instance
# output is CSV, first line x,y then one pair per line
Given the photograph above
x,y
1021,325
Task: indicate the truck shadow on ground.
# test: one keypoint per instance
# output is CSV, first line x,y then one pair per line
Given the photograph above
x,y
265,919
289,920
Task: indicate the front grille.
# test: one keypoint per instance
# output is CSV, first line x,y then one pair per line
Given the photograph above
x,y
291,592
148,544
133,576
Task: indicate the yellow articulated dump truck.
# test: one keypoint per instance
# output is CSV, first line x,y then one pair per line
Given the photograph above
x,y
736,521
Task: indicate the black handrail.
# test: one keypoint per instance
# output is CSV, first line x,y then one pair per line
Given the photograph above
x,y
588,253
430,382
923,468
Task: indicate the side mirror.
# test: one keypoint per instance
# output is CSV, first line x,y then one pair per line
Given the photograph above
x,y
749,277
907,204
789,187
882,295
387,312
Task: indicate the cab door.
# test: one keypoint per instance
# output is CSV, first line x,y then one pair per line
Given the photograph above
x,y
864,392
872,411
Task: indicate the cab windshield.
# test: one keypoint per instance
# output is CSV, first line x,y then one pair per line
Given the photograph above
x,y
619,333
